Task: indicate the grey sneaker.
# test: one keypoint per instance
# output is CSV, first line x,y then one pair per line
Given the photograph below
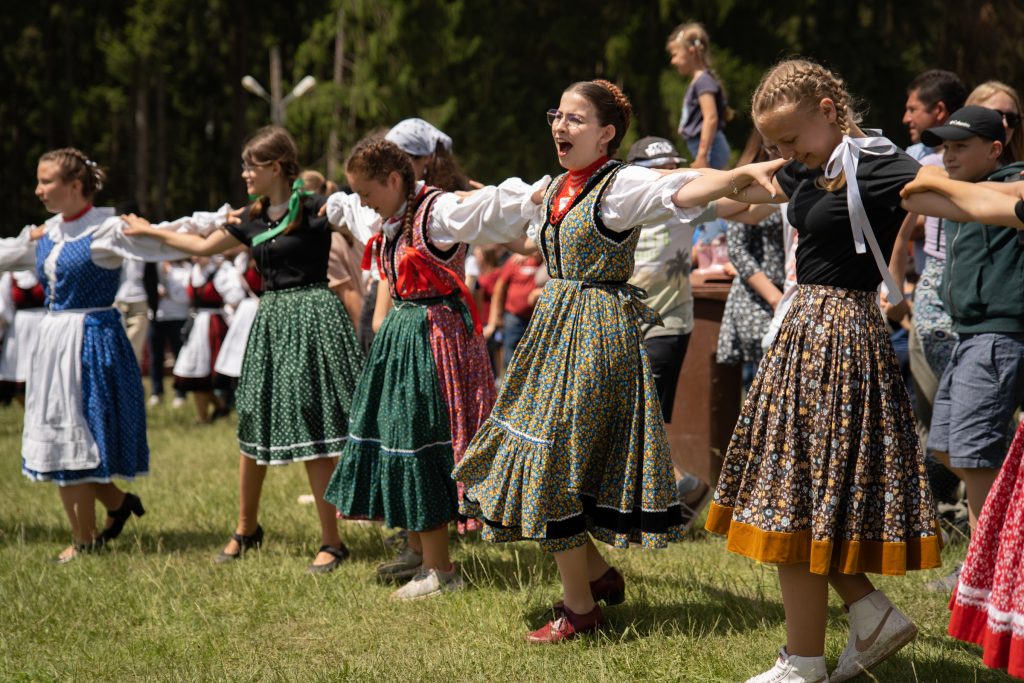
x,y
945,584
429,583
405,566
694,496
877,631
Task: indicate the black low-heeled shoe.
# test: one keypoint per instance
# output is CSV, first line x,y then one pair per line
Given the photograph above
x,y
132,505
253,540
339,554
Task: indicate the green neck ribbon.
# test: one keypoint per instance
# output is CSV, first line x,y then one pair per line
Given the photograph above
x,y
294,206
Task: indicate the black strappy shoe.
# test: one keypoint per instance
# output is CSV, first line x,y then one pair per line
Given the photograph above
x,y
132,505
339,554
253,540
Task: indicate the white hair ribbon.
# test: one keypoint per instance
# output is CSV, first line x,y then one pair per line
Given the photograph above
x,y
845,159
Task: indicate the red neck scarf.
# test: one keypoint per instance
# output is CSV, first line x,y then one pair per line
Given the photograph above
x,y
68,219
572,186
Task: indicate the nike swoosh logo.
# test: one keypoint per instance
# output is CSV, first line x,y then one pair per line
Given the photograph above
x,y
863,645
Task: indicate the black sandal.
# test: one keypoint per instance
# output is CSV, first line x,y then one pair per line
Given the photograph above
x,y
253,540
339,554
132,505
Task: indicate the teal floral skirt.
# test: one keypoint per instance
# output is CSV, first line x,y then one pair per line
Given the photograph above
x,y
575,444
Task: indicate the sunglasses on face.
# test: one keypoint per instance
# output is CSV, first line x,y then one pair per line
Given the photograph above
x,y
1011,118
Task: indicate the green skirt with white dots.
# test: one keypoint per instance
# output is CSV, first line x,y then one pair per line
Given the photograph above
x,y
298,375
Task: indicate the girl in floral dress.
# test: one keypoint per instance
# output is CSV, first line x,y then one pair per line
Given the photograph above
x,y
427,384
575,447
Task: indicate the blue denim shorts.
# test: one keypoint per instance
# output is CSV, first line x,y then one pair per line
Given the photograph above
x,y
982,386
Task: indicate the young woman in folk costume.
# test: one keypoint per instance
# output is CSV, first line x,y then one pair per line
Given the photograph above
x,y
429,152
213,286
427,384
575,446
85,420
824,476
302,358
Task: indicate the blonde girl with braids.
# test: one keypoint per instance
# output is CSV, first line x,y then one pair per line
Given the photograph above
x,y
705,112
85,421
301,359
824,476
428,385
575,448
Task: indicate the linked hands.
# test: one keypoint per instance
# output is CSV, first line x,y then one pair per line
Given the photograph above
x,y
929,179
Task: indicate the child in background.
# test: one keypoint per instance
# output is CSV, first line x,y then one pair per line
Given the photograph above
x,y
704,113
983,383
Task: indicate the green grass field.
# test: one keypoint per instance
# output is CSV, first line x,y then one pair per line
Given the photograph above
x,y
156,608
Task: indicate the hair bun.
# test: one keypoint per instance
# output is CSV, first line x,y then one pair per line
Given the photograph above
x,y
621,101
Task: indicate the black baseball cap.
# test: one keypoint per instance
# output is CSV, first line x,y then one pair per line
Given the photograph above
x,y
967,122
654,151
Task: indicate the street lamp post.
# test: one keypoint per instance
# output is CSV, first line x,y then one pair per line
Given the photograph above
x,y
277,103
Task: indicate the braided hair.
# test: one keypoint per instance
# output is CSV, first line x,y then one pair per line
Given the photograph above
x,y
612,106
804,83
74,165
376,159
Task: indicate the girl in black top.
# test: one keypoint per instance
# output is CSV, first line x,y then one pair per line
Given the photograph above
x,y
302,357
824,475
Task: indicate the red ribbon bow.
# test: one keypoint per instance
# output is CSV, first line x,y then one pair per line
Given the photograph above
x,y
416,274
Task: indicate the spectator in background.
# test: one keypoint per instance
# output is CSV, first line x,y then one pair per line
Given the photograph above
x,y
931,97
515,295
172,310
489,262
704,111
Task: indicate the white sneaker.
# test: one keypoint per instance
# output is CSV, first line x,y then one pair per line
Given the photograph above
x,y
429,583
877,631
178,402
153,401
792,669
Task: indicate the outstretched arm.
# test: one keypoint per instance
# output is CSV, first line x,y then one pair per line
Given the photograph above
x,y
749,184
934,194
214,243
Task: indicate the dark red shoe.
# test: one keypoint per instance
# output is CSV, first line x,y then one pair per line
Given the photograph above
x,y
566,625
610,588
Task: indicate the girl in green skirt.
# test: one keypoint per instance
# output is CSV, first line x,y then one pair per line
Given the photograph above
x,y
428,385
302,358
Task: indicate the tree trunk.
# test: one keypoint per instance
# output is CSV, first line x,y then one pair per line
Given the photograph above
x,y
339,76
141,147
161,147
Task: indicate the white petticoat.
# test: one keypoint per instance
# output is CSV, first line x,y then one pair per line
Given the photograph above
x,y
229,360
196,358
20,339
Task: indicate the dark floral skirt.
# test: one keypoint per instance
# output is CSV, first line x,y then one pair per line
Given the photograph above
x,y
824,465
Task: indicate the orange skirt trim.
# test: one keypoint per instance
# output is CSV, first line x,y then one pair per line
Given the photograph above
x,y
848,557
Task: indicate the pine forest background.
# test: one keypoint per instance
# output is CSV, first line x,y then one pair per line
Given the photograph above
x,y
151,89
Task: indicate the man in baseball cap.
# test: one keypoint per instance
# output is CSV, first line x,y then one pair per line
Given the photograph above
x,y
654,152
